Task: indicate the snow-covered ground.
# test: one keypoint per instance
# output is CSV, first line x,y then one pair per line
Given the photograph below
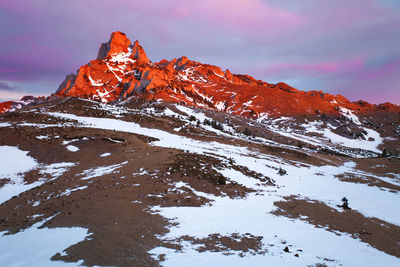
x,y
328,137
56,169
253,215
13,163
100,171
226,216
372,145
35,246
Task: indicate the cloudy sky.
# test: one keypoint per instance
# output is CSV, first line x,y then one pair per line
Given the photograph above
x,y
337,46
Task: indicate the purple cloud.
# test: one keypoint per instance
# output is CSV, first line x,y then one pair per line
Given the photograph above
x,y
244,17
314,69
5,86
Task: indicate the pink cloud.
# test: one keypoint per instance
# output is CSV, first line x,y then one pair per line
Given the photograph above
x,y
242,17
315,69
7,70
247,17
389,68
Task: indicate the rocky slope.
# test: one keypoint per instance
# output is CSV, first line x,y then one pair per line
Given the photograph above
x,y
10,106
163,184
122,70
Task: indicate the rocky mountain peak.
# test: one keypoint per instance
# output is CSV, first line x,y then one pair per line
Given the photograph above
x,y
138,53
122,71
118,43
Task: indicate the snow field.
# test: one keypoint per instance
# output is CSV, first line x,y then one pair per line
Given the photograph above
x,y
253,213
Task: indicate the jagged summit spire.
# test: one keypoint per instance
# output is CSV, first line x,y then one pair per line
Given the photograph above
x,y
120,43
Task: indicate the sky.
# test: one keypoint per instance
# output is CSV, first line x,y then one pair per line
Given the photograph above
x,y
342,47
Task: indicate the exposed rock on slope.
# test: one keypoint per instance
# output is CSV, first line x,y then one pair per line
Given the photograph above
x,y
122,70
10,106
5,106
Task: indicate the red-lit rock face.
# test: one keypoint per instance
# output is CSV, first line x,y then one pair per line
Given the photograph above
x,y
5,106
122,70
10,106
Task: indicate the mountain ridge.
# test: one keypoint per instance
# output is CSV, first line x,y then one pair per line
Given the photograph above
x,y
123,71
196,84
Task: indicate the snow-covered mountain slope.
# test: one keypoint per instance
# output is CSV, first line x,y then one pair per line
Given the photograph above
x,y
122,70
10,106
154,183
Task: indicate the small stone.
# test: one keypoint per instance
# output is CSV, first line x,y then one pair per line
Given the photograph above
x,y
286,249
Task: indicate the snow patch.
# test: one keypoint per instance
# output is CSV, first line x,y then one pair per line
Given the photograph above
x,y
43,137
220,105
95,83
13,163
35,247
100,171
350,115
122,57
72,148
347,142
5,124
56,169
68,192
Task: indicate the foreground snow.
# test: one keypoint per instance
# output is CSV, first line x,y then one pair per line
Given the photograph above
x,y
14,162
252,215
35,247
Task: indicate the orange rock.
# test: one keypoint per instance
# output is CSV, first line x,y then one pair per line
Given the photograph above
x,y
5,106
122,70
139,54
118,43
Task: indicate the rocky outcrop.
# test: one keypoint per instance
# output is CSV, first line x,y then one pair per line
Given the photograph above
x,y
117,44
67,83
10,106
6,106
122,70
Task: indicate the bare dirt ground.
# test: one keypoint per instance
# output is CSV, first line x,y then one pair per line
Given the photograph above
x,y
116,207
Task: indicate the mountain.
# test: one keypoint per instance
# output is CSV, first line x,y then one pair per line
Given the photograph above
x,y
10,106
178,163
123,70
